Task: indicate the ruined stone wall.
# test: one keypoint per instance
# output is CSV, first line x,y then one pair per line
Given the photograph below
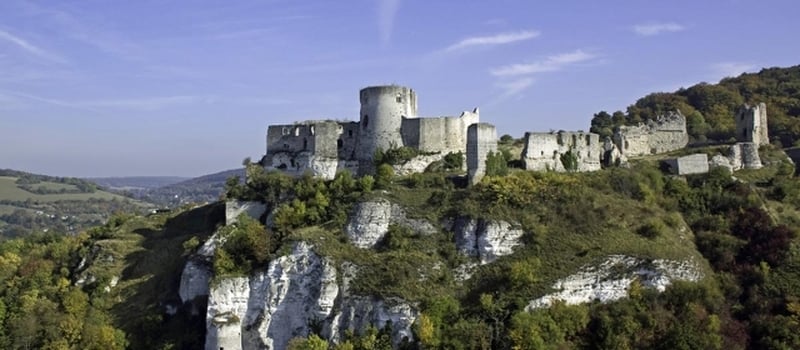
x,y
543,151
316,146
348,140
742,155
438,135
664,134
481,139
751,124
388,120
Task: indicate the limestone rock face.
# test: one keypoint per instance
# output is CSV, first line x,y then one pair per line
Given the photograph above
x,y
323,167
610,280
370,221
267,309
486,240
234,208
197,272
416,164
195,280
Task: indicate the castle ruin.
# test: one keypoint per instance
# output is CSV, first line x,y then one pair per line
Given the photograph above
x,y
664,134
751,124
388,119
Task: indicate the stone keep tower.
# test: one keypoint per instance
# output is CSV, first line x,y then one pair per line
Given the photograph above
x,y
382,112
481,139
751,124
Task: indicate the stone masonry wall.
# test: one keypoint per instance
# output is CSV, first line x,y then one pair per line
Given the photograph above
x,y
481,139
664,134
543,151
691,164
751,124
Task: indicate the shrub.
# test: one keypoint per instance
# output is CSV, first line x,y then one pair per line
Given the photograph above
x,y
454,161
395,156
652,229
570,161
496,164
384,175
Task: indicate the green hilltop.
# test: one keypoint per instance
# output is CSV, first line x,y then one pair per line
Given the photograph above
x,y
31,203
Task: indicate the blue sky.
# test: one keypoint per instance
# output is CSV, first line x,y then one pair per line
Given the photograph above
x,y
116,88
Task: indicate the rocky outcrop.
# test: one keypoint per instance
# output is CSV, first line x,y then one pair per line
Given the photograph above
x,y
416,164
234,208
370,221
485,240
742,155
267,309
197,272
610,280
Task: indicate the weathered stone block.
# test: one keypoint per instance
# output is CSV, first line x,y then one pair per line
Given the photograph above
x,y
691,164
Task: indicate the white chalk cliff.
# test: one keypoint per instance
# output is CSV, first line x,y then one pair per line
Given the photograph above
x,y
610,280
267,309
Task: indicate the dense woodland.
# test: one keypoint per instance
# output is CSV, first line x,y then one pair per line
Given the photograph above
x,y
708,107
56,290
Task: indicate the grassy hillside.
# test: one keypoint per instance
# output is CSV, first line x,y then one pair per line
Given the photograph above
x,y
30,203
751,261
11,191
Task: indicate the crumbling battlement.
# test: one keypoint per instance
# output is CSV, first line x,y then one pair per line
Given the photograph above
x,y
547,151
664,134
751,124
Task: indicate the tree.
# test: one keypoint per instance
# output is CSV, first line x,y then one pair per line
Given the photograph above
x,y
496,164
383,176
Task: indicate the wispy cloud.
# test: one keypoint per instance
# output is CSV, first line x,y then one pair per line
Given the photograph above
x,y
550,64
514,87
650,29
731,69
30,48
147,103
497,39
164,102
387,11
46,100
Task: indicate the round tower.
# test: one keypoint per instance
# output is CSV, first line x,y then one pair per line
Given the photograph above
x,y
382,112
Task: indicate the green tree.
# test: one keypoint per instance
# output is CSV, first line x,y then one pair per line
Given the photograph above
x,y
383,176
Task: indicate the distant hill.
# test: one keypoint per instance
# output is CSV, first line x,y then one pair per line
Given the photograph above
x,y
709,108
136,182
207,188
33,202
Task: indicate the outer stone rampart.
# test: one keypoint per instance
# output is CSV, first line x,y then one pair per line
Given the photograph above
x,y
547,151
664,134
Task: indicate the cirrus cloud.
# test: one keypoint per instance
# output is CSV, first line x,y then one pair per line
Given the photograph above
x,y
549,64
651,29
497,39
